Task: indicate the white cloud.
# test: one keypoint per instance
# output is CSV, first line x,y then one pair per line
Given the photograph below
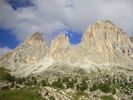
x,y
53,16
4,50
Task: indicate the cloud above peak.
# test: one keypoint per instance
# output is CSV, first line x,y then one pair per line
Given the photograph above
x,y
51,17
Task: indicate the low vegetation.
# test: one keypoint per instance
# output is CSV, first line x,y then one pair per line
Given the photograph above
x,y
80,84
19,94
4,73
51,98
107,98
104,87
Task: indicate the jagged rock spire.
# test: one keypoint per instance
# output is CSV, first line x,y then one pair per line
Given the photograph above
x,y
37,36
102,43
60,41
34,39
105,33
31,51
59,45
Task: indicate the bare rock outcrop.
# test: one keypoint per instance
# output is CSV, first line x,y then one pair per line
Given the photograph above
x,y
31,51
131,39
103,46
48,93
60,46
30,57
108,41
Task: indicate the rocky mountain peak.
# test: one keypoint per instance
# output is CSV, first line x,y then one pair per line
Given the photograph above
x,y
31,51
36,36
99,29
34,39
102,43
59,45
105,33
105,22
106,39
60,41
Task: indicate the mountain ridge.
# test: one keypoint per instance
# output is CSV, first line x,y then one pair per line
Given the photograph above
x,y
103,46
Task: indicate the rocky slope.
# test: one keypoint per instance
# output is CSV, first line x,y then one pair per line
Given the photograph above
x,y
131,38
104,46
59,47
99,68
23,58
25,53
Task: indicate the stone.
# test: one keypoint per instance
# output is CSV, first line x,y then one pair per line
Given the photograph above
x,y
104,46
131,39
4,85
31,51
59,46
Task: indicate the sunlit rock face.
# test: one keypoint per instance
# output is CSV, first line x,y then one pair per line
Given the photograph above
x,y
103,46
107,40
60,46
104,33
31,51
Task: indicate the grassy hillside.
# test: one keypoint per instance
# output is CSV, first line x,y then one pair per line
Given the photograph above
x,y
81,87
19,94
16,94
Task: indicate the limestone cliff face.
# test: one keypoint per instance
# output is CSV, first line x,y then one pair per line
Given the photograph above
x,y
104,34
31,51
35,39
106,40
60,46
103,45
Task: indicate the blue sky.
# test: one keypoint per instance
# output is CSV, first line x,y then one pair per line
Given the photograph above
x,y
7,39
19,3
21,18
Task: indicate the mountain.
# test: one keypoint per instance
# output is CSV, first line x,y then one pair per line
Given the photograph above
x,y
104,46
98,68
60,46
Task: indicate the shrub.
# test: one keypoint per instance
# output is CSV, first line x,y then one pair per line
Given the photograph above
x,y
45,83
51,98
28,82
107,98
57,84
3,73
78,94
20,80
94,87
65,79
10,78
82,86
69,83
104,87
34,80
